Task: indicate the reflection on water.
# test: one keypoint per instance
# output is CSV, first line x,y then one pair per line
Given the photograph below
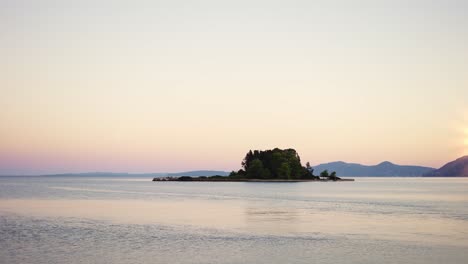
x,y
367,221
271,220
260,214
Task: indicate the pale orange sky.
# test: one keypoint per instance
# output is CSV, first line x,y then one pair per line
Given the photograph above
x,y
148,86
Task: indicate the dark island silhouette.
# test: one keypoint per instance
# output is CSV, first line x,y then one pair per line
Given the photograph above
x,y
276,165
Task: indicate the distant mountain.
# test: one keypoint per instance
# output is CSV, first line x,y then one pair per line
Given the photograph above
x,y
124,174
458,168
384,169
199,173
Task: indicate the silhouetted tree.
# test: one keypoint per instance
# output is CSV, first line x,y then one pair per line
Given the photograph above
x,y
284,171
274,164
310,169
333,176
234,175
255,170
324,174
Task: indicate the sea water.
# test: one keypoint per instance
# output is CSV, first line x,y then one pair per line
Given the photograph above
x,y
135,220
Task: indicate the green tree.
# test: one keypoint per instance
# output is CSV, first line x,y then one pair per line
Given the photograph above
x,y
248,158
266,174
274,164
284,171
234,174
310,169
255,169
324,174
333,176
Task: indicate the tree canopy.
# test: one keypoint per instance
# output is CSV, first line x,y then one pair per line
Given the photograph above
x,y
273,164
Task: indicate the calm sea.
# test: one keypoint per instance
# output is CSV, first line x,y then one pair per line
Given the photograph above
x,y
128,220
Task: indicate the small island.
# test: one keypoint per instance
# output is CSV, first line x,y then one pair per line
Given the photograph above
x,y
276,165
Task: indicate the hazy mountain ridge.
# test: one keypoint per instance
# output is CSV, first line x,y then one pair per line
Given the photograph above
x,y
199,173
456,168
383,169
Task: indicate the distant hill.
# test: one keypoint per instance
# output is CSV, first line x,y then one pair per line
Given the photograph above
x,y
457,168
199,173
124,174
384,169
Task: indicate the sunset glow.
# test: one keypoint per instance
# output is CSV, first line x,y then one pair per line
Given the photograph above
x,y
465,150
147,87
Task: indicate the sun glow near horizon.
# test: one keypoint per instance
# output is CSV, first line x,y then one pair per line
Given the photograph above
x,y
465,141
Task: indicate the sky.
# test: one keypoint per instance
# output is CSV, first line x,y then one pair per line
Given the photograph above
x,y
164,86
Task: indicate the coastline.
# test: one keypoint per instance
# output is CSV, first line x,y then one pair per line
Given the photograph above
x,y
245,180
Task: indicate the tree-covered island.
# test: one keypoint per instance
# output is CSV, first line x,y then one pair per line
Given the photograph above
x,y
268,165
